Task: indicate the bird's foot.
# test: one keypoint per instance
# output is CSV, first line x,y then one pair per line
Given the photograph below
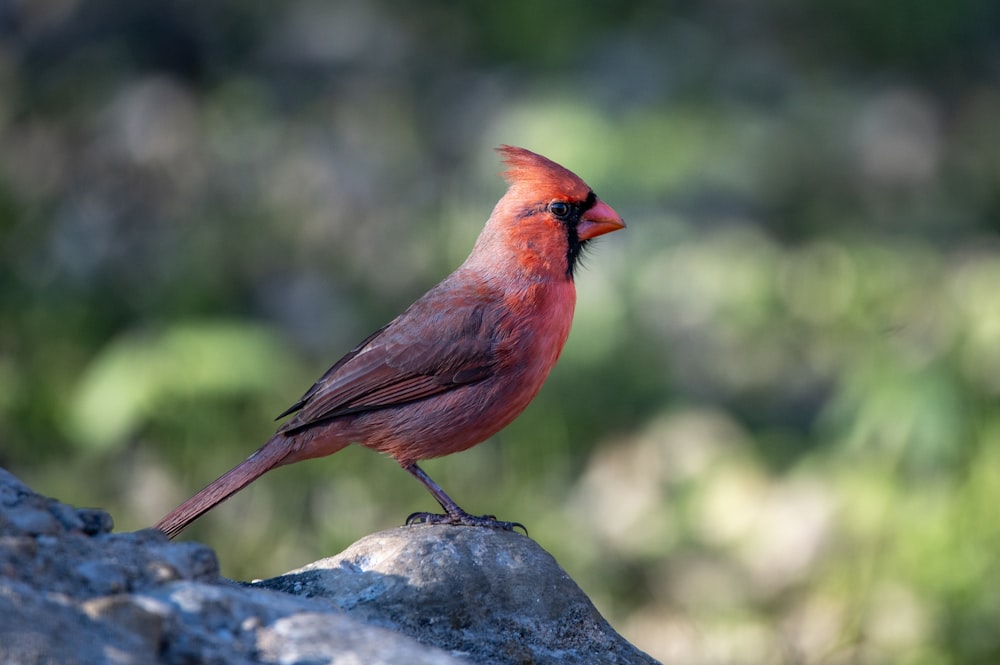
x,y
464,519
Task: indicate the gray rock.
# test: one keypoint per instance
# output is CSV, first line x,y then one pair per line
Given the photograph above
x,y
495,596
73,592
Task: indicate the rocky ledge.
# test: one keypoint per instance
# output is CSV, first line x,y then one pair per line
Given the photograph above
x,y
71,591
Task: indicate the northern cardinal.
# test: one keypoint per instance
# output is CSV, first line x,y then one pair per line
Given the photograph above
x,y
462,361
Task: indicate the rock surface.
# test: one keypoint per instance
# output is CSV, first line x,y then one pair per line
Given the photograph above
x,y
495,596
73,592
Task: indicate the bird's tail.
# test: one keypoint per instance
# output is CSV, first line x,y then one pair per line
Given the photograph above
x,y
272,454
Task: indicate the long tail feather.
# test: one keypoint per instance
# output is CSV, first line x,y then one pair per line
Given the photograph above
x,y
270,455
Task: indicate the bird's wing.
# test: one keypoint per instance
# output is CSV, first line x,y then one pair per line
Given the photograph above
x,y
441,342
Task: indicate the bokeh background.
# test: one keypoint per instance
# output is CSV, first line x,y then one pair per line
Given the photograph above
x,y
774,436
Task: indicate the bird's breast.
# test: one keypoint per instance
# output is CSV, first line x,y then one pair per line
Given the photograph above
x,y
532,337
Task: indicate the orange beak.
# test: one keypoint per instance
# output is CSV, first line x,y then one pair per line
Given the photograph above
x,y
597,221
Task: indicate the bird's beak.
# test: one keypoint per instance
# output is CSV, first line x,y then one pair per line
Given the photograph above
x,y
600,219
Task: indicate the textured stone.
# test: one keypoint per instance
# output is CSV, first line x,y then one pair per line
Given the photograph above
x,y
73,592
494,595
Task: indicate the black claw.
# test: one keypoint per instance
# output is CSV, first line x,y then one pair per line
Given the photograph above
x,y
464,519
419,518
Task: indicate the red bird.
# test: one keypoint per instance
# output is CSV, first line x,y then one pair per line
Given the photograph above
x,y
462,361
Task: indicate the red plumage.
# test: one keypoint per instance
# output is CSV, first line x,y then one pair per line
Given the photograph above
x,y
462,361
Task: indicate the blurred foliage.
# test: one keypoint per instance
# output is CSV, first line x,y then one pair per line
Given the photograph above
x,y
774,435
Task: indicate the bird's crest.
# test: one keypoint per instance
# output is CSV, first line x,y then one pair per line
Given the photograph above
x,y
530,170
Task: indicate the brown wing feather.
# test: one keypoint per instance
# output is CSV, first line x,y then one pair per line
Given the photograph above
x,y
316,387
444,340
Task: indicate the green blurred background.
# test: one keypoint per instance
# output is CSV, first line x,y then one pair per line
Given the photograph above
x,y
774,436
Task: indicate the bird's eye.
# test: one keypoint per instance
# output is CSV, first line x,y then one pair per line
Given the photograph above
x,y
559,208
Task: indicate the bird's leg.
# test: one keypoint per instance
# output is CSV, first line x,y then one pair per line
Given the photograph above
x,y
453,514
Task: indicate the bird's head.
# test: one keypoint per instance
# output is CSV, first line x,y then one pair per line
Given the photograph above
x,y
546,217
